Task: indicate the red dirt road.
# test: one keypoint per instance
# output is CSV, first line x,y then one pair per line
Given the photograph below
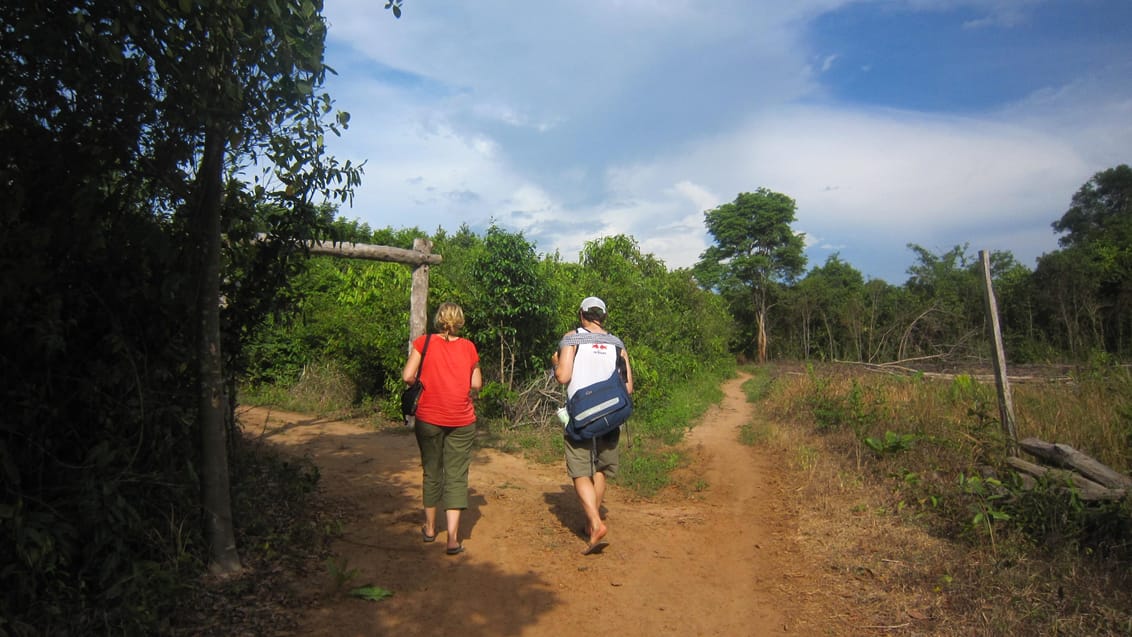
x,y
712,558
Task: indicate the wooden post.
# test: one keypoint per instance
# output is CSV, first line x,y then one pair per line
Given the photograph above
x,y
418,297
1005,402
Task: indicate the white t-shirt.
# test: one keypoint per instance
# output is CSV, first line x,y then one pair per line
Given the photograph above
x,y
594,362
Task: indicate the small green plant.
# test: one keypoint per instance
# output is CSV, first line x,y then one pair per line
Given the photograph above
x,y
891,443
981,402
988,494
829,413
752,433
807,457
371,593
341,572
963,386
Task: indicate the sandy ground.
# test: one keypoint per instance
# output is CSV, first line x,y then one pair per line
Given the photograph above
x,y
714,559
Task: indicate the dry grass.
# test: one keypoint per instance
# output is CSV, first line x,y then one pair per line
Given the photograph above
x,y
892,534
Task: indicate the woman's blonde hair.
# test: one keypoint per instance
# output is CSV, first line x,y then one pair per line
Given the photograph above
x,y
449,318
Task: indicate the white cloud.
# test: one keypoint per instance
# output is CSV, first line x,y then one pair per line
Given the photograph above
x,y
571,121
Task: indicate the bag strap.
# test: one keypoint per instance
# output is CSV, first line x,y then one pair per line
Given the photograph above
x,y
424,350
585,338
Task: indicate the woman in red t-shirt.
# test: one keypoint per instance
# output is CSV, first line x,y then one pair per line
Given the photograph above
x,y
446,419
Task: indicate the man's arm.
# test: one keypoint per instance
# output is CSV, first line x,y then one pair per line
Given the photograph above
x,y
563,361
628,371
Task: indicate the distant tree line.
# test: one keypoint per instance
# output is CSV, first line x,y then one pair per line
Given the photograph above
x,y
749,295
1074,306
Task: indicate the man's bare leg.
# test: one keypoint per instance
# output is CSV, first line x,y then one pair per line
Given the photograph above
x,y
588,490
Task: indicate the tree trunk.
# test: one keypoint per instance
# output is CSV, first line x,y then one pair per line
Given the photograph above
x,y
760,318
216,498
1001,382
805,333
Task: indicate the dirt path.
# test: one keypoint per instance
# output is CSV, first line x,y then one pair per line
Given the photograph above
x,y
709,560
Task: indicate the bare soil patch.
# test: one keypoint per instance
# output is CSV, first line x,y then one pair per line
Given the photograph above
x,y
716,554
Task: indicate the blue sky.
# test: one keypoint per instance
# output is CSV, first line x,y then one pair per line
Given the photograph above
x,y
889,122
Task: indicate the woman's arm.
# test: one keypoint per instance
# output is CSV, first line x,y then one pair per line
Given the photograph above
x,y
409,374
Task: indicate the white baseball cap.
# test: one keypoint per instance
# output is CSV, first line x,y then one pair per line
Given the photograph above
x,y
591,302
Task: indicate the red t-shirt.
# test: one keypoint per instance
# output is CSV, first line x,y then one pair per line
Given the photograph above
x,y
446,373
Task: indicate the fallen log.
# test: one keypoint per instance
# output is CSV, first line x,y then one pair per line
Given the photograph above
x,y
1085,488
1065,456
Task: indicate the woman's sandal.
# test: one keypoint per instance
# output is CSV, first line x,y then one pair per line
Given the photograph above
x,y
458,549
425,537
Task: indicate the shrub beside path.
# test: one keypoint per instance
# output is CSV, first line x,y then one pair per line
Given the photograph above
x,y
714,555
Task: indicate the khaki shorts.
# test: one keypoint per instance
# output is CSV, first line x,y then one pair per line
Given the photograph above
x,y
582,461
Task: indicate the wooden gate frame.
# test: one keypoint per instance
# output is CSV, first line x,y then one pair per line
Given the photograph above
x,y
420,257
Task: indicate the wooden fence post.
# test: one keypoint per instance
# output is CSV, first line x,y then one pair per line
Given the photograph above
x,y
1002,384
418,297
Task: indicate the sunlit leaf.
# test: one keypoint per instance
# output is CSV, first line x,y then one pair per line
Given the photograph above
x,y
371,593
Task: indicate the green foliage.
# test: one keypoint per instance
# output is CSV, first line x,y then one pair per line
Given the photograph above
x,y
353,313
759,385
891,443
830,303
371,593
979,399
825,406
513,318
648,473
341,572
987,496
754,254
494,400
856,409
102,198
943,471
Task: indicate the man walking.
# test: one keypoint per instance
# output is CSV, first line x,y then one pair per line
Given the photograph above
x,y
585,356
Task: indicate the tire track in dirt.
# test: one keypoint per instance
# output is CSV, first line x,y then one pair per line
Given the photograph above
x,y
709,559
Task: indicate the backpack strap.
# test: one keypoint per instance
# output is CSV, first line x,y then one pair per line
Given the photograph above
x,y
586,338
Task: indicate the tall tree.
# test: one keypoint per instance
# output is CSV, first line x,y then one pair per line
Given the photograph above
x,y
833,295
512,304
125,128
1097,231
755,251
247,77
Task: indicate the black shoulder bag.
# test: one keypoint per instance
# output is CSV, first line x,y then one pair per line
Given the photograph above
x,y
412,394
